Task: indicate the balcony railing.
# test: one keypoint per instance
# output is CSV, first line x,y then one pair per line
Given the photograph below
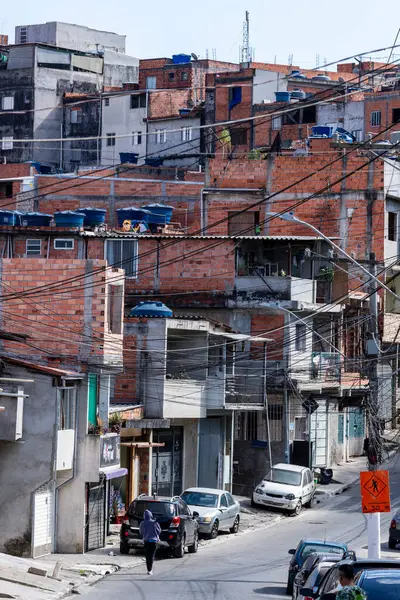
x,y
325,366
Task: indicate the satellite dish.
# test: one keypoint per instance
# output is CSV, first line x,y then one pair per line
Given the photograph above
x,y
194,56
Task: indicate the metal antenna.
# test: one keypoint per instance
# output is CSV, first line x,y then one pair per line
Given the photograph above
x,y
246,50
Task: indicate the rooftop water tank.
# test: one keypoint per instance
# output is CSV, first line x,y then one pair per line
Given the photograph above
x,y
93,216
7,217
298,94
69,218
151,309
130,158
322,131
321,78
132,213
34,219
160,214
296,73
180,59
282,96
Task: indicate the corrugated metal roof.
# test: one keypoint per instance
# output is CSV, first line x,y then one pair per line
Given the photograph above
x,y
283,238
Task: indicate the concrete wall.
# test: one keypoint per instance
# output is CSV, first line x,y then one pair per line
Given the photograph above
x,y
120,68
174,144
119,118
75,37
266,83
349,115
24,467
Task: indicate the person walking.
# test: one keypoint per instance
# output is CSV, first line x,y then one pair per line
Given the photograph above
x,y
150,531
348,591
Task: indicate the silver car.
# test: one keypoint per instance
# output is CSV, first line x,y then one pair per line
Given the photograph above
x,y
217,509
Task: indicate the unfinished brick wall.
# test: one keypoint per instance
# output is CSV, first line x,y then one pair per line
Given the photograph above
x,y
388,104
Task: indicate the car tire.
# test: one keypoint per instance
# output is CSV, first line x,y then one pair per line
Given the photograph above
x,y
297,511
179,551
214,530
195,546
124,548
309,503
236,525
392,544
289,587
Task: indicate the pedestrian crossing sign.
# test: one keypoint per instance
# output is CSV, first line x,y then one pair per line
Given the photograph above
x,y
375,491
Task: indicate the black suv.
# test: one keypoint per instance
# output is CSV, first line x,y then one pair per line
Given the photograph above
x,y
179,527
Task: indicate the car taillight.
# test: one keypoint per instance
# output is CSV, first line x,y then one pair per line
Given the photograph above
x,y
393,524
175,522
308,598
126,520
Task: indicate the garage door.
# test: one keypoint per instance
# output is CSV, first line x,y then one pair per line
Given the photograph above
x,y
43,521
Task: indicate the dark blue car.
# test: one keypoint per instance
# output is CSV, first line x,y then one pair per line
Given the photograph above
x,y
304,549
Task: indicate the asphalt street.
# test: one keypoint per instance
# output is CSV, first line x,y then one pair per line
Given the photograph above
x,y
251,565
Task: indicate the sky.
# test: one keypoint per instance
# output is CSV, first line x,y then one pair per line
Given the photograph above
x,y
302,28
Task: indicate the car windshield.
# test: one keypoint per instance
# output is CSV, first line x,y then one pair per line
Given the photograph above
x,y
309,548
200,499
158,509
284,476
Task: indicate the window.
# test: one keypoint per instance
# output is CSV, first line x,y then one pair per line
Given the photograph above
x,y
186,134
301,337
107,102
66,408
395,115
33,247
138,101
7,142
235,96
231,500
376,118
64,244
392,227
224,501
123,254
238,137
185,76
309,114
171,76
161,136
275,412
357,134
136,138
183,509
22,35
110,139
115,304
151,83
76,116
276,123
7,103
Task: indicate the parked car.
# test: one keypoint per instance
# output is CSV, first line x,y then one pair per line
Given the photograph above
x,y
314,568
306,547
289,487
179,526
331,579
218,510
394,531
380,584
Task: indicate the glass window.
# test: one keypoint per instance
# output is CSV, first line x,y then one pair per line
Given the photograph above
x,y
138,101
76,116
319,548
136,138
7,103
301,337
284,476
276,123
151,83
158,509
64,244
33,247
66,408
186,134
123,254
231,500
107,102
161,136
183,509
376,118
7,142
224,501
185,76
110,139
200,499
392,226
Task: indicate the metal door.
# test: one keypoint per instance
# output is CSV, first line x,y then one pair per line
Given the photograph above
x,y
95,530
43,521
211,447
319,434
167,462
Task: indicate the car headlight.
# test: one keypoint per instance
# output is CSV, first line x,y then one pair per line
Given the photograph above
x,y
205,520
290,497
259,491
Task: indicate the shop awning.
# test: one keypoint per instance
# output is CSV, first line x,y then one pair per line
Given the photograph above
x,y
114,472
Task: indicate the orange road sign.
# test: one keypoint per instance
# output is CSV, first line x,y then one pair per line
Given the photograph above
x,y
375,491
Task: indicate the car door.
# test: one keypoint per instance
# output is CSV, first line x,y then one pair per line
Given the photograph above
x,y
306,491
231,508
189,524
224,512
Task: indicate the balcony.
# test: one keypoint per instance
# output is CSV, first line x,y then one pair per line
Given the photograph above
x,y
244,390
283,288
325,366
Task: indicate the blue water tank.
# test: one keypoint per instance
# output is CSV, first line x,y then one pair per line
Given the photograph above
x,y
322,131
296,73
69,218
130,158
93,216
282,96
34,219
151,309
160,214
321,78
298,94
7,217
181,59
132,213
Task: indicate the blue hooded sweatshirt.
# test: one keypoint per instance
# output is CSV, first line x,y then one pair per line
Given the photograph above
x,y
149,528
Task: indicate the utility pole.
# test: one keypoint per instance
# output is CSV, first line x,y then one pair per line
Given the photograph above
x,y
374,443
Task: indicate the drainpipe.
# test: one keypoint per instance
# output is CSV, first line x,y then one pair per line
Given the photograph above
x,y
202,211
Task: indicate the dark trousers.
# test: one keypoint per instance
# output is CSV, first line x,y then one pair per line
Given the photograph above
x,y
150,551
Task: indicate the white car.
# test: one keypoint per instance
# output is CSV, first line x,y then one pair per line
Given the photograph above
x,y
289,487
217,510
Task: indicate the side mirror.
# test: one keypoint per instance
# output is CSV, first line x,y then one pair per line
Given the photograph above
x,y
307,592
292,551
222,510
195,515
